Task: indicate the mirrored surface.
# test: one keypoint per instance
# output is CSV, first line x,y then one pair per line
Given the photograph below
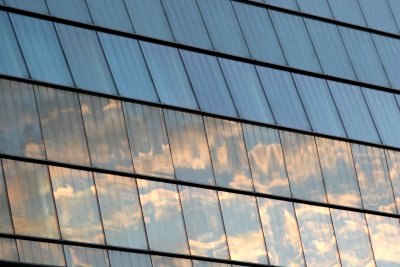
x,y
316,7
38,6
347,11
378,15
71,9
40,253
8,249
5,216
124,259
209,264
393,161
82,256
159,261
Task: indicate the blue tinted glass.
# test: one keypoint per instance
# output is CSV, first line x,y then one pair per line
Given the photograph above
x,y
42,50
246,91
208,83
169,75
86,59
38,6
378,15
285,101
347,11
223,27
289,4
128,67
110,14
395,8
11,60
316,7
71,9
318,102
187,23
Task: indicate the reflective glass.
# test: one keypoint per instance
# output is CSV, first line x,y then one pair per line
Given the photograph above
x,y
289,4
265,155
394,6
125,259
40,253
304,175
128,67
378,15
71,9
78,211
163,217
209,83
373,178
86,59
31,200
203,222
209,264
120,211
316,7
82,256
393,160
159,261
228,154
352,238
354,112
281,232
243,229
284,99
246,90
189,147
223,27
62,126
5,218
259,33
106,133
348,11
295,41
8,249
317,235
169,75
38,6
318,102
148,139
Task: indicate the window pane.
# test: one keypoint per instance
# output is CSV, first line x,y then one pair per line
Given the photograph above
x,y
82,256
373,177
120,211
159,261
128,67
393,160
224,29
40,253
246,90
289,4
189,147
149,141
62,126
8,249
106,133
378,15
71,9
281,232
245,238
163,217
31,201
86,59
347,11
169,75
228,154
304,176
124,259
209,264
317,235
77,207
38,6
394,6
5,218
203,222
266,160
42,50
209,83
316,7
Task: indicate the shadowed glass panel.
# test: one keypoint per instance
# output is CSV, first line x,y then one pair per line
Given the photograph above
x,y
378,15
120,211
124,259
316,7
393,160
5,216
348,11
40,253
281,232
38,6
83,256
163,217
203,222
394,6
289,4
71,9
209,264
8,249
159,261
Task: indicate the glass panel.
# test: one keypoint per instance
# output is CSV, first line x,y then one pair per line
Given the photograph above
x,y
62,126
378,15
149,19
86,59
281,232
347,11
149,141
38,6
209,264
284,99
295,41
228,154
338,172
266,160
77,207
385,235
318,102
106,133
317,235
5,218
393,160
187,23
316,7
259,33
163,217
8,249
82,256
71,9
289,4
31,201
304,176
209,83
189,147
246,90
245,237
120,211
223,27
40,253
394,6
203,222
373,177
352,238
169,75
159,261
354,112
124,259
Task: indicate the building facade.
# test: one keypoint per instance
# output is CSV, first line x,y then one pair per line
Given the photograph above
x,y
199,133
